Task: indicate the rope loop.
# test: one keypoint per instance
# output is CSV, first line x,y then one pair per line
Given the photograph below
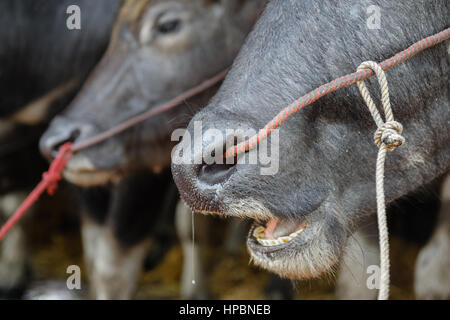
x,y
388,132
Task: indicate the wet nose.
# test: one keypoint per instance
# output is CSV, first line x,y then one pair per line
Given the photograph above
x,y
217,172
60,131
217,169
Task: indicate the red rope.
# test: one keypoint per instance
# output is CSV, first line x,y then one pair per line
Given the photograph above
x,y
331,86
49,182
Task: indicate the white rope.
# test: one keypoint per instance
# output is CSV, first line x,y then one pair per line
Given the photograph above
x,y
387,138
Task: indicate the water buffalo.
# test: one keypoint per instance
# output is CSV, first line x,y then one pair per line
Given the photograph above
x,y
43,64
323,192
158,50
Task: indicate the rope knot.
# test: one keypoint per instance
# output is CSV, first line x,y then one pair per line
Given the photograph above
x,y
389,133
52,179
53,175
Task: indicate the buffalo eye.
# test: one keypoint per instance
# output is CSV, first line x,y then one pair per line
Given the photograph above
x,y
169,26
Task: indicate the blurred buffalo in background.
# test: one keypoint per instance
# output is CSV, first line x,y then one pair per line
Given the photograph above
x,y
158,50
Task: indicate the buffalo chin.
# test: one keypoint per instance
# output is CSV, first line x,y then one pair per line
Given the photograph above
x,y
309,248
296,265
313,247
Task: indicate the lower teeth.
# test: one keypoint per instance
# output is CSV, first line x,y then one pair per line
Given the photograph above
x,y
258,233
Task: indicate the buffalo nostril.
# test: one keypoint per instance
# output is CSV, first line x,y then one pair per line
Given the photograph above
x,y
215,173
72,137
219,171
54,139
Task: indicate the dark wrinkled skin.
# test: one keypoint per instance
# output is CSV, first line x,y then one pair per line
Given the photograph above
x,y
327,154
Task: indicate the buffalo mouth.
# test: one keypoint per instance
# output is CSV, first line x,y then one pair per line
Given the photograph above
x,y
90,178
80,171
267,234
299,246
275,234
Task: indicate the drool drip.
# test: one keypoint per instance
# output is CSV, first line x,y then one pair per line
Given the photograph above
x,y
193,247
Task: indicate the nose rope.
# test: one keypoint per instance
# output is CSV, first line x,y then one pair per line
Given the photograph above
x,y
387,137
133,121
332,86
